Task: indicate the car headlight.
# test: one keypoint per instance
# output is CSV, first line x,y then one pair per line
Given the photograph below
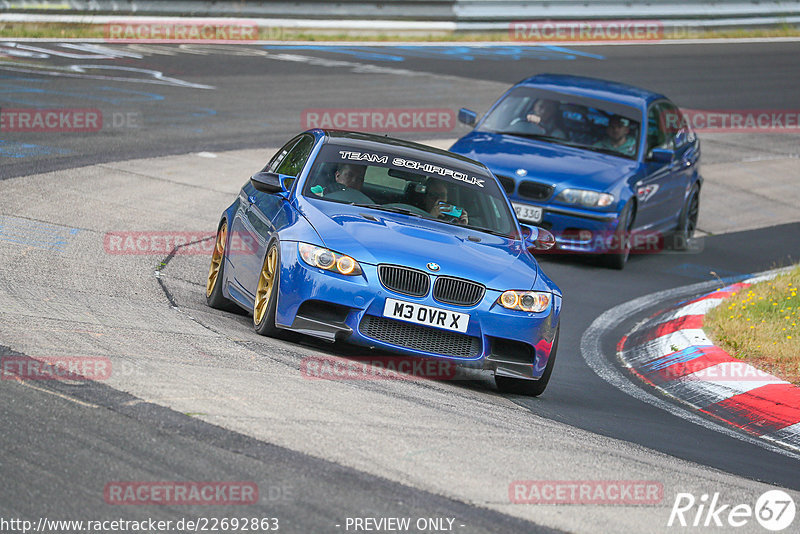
x,y
328,260
529,301
589,199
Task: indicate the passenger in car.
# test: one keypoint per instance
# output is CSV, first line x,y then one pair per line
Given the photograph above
x,y
617,136
435,202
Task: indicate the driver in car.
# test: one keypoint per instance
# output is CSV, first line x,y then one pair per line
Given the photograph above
x,y
545,115
350,176
349,179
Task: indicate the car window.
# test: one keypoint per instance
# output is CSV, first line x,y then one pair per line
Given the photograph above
x,y
276,160
659,120
675,124
293,162
451,194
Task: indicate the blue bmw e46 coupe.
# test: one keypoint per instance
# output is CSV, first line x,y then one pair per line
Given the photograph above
x,y
604,166
393,245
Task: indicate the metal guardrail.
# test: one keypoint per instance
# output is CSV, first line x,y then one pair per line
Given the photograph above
x,y
508,10
447,15
439,10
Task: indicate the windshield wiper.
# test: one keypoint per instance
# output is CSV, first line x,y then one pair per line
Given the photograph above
x,y
542,137
605,150
567,142
482,229
404,211
391,209
530,135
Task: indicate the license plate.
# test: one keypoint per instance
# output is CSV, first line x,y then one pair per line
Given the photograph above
x,y
426,315
527,213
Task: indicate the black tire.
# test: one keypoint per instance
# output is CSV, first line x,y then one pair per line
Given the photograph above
x,y
265,324
688,220
618,259
216,271
531,388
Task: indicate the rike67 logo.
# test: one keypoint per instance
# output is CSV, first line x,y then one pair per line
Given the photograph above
x,y
774,510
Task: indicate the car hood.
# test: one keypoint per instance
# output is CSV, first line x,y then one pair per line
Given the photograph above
x,y
547,162
374,237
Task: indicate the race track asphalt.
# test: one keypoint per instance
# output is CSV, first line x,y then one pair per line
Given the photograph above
x,y
204,398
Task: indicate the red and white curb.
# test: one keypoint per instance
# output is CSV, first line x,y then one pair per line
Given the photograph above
x,y
671,352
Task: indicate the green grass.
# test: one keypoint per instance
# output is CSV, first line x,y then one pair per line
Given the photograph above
x,y
759,325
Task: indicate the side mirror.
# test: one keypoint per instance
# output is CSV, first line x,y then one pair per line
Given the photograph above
x,y
537,238
270,182
662,155
467,116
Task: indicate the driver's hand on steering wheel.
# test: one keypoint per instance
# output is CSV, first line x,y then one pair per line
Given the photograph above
x,y
533,118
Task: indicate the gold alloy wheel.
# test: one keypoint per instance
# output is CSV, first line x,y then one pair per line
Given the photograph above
x,y
216,259
266,282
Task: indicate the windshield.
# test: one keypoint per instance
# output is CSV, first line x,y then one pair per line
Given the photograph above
x,y
566,119
450,194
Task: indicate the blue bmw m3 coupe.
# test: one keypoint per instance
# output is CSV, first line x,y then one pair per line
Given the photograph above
x,y
394,245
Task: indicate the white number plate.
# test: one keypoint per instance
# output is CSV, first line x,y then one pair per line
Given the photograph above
x,y
427,315
527,213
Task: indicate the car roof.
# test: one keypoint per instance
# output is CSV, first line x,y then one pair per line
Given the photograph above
x,y
365,141
621,93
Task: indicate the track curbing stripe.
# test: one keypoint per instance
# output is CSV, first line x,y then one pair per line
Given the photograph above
x,y
672,353
596,358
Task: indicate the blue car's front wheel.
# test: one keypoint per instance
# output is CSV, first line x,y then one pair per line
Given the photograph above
x,y
267,293
688,222
620,249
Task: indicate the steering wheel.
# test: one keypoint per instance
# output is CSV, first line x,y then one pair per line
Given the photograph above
x,y
523,126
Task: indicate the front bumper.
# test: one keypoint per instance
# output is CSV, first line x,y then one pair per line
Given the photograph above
x,y
332,306
578,230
